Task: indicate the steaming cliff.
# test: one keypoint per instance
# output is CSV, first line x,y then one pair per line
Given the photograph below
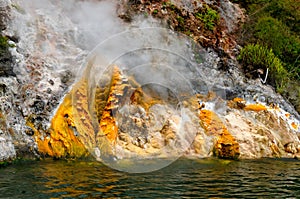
x,y
57,100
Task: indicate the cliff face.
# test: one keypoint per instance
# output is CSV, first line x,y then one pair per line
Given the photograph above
x,y
241,130
6,70
50,107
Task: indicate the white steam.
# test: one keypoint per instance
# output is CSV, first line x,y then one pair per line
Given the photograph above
x,y
62,33
96,20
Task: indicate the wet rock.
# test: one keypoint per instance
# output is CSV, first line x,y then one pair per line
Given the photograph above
x,y
27,98
247,131
108,124
6,68
51,82
227,148
157,142
198,144
49,90
3,89
29,132
168,133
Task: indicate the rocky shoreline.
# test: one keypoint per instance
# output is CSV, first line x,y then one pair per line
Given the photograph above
x,y
44,49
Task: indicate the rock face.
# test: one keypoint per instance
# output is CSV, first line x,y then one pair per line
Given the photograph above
x,y
6,59
225,145
263,132
7,150
243,131
61,139
33,78
46,110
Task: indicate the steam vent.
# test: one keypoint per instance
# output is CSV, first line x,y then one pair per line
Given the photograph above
x,y
73,127
141,108
149,99
141,93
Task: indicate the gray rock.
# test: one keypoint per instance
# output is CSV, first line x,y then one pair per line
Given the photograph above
x,y
7,150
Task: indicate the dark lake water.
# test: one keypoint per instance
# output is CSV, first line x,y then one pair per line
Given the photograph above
x,y
184,178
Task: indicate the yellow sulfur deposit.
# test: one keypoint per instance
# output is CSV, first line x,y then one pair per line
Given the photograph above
x,y
108,126
255,107
86,122
239,103
294,125
73,129
61,141
225,145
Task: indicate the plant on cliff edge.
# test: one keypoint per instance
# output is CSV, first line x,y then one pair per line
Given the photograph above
x,y
274,24
3,43
254,57
209,17
286,46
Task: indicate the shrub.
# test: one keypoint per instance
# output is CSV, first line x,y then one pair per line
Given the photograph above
x,y
275,24
3,43
209,17
286,11
254,57
277,36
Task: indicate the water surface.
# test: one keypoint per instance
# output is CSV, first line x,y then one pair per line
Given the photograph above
x,y
184,178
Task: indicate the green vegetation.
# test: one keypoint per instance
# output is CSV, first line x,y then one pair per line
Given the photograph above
x,y
169,4
181,24
6,59
4,163
276,35
3,43
209,17
256,57
274,25
206,17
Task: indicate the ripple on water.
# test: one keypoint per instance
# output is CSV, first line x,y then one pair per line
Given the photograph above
x,y
183,179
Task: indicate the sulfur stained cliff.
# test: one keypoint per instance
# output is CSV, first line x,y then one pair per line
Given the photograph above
x,y
61,139
244,131
47,109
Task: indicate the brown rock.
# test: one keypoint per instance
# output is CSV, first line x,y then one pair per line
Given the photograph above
x,y
291,148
